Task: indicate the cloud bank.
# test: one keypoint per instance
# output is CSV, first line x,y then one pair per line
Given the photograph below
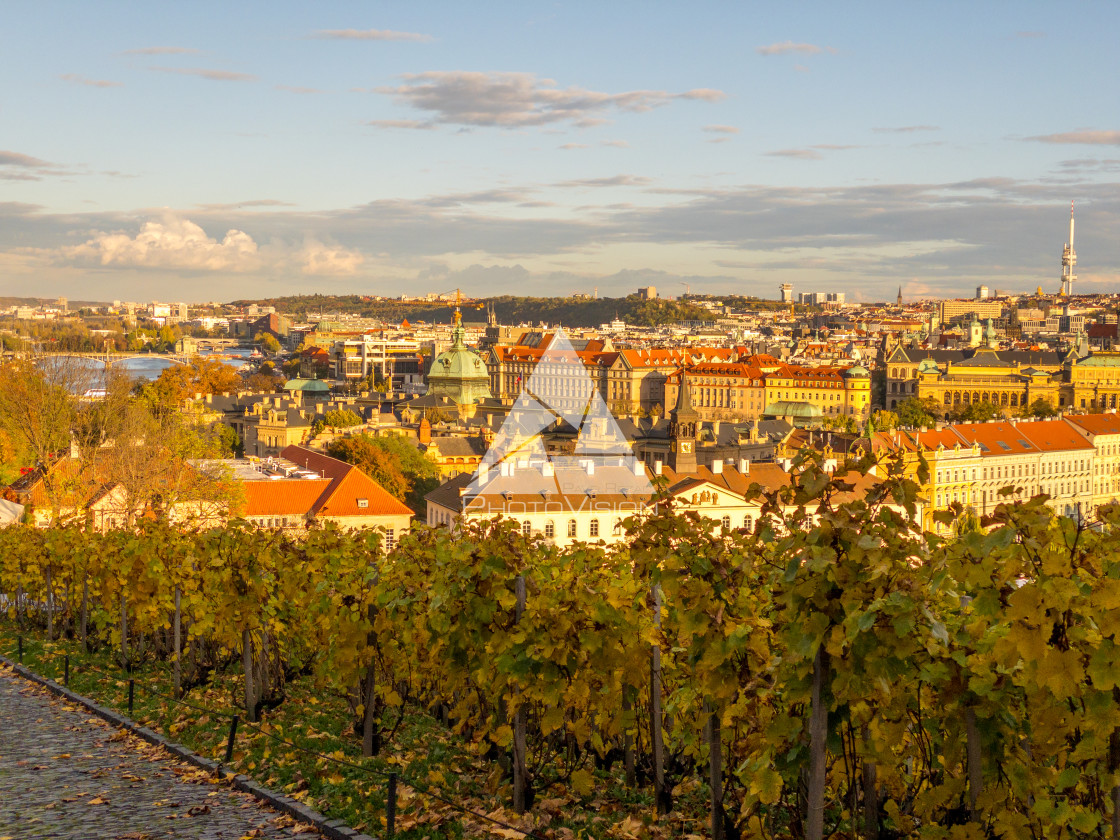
x,y
518,100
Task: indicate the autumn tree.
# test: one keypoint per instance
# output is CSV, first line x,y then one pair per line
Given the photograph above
x,y
181,382
39,403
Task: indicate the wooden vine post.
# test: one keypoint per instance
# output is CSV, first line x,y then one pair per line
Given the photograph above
x,y
715,770
519,761
369,689
178,643
656,741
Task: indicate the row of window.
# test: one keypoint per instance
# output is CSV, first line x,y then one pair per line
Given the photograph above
x,y
593,527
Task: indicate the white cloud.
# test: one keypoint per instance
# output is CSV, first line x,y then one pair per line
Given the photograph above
x,y
613,181
162,51
82,80
321,259
177,244
617,144
16,166
169,243
297,89
720,129
906,129
207,73
786,47
802,154
370,35
575,146
416,124
515,100
1089,138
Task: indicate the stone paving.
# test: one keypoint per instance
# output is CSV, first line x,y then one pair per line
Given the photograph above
x,y
67,775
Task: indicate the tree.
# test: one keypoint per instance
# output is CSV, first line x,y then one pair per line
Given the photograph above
x,y
38,408
1040,409
181,382
885,421
915,412
267,341
363,452
408,475
976,412
342,418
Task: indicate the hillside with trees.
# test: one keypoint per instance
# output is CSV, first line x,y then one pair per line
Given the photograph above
x,y
571,312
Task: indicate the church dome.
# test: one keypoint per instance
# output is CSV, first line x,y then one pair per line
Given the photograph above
x,y
857,372
459,373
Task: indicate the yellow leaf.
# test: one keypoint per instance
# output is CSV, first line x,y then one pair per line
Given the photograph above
x,y
582,782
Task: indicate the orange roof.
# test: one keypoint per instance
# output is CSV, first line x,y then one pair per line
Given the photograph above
x,y
995,438
1054,435
1096,424
284,497
347,485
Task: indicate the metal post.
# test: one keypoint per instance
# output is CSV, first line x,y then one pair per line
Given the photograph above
x,y
66,670
232,735
391,807
131,693
19,639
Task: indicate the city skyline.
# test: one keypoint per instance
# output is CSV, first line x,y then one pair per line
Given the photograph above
x,y
208,152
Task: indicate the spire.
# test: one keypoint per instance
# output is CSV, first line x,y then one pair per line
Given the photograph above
x,y
684,399
899,300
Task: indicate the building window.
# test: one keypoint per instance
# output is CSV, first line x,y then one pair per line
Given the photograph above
x,y
617,527
748,522
726,522
526,528
571,527
594,528
549,529
390,539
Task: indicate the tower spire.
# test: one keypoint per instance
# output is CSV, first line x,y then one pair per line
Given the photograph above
x,y
1069,260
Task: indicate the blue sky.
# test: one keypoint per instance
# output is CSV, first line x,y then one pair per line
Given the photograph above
x,y
197,151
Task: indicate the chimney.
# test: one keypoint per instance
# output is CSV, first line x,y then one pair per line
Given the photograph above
x,y
483,473
639,470
548,470
591,468
715,429
657,467
744,466
717,466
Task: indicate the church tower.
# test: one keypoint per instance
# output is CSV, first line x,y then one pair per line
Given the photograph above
x,y
898,301
684,425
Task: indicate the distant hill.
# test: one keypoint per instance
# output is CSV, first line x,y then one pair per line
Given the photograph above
x,y
570,312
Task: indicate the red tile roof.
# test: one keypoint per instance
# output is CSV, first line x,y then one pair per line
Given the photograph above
x,y
1096,424
347,485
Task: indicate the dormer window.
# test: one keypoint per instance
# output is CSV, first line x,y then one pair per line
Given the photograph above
x,y
363,503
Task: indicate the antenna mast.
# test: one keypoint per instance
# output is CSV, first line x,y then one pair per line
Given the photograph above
x,y
1069,260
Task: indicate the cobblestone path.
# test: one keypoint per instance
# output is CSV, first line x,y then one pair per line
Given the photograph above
x,y
67,775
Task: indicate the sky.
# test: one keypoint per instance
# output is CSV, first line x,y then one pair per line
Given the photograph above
x,y
215,151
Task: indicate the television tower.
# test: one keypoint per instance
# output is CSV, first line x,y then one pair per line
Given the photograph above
x,y
1069,260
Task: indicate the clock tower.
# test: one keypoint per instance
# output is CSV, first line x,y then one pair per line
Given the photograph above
x,y
684,425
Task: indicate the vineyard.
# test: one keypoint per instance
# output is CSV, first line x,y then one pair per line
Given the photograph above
x,y
835,672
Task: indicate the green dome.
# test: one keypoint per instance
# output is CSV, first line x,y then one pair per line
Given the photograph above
x,y
316,386
459,373
857,371
928,366
458,363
